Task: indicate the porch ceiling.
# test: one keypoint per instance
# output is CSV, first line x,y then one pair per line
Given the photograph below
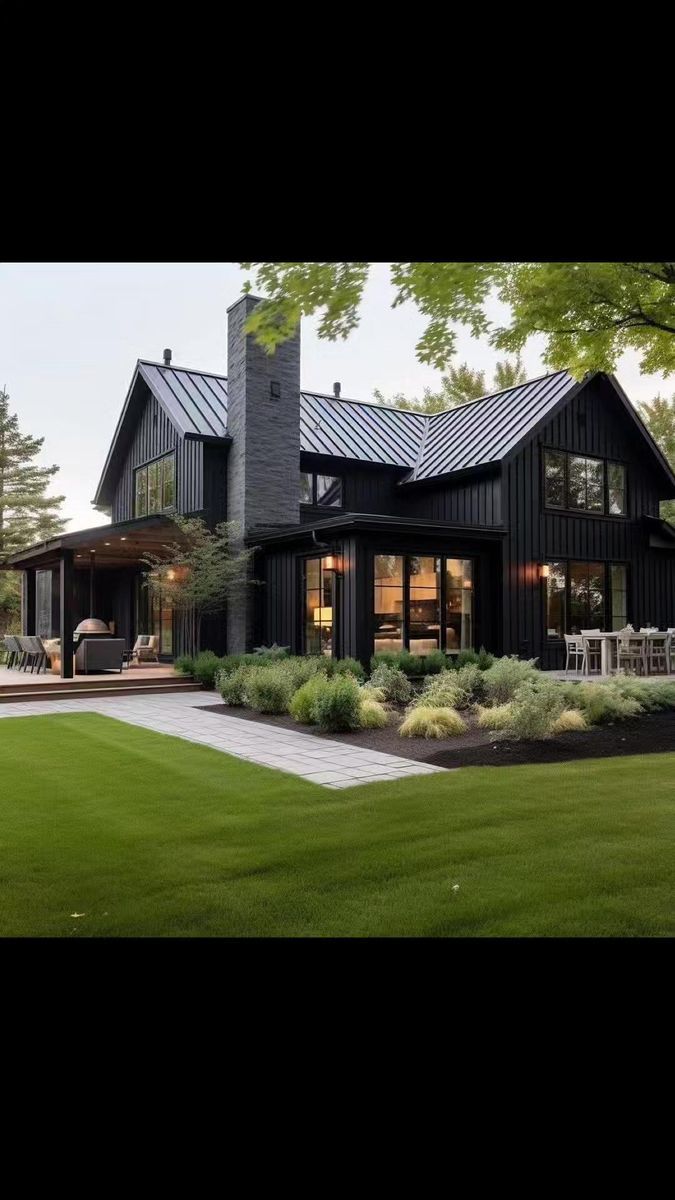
x,y
121,545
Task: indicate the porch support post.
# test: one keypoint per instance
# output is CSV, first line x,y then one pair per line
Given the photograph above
x,y
67,586
28,602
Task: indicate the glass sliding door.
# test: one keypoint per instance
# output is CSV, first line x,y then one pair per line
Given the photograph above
x,y
424,608
318,589
587,596
154,615
458,604
388,602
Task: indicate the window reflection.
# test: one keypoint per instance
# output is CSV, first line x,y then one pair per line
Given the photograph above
x,y
388,602
319,608
458,604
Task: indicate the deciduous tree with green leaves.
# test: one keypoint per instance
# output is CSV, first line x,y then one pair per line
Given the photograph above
x,y
27,513
588,313
659,417
199,572
460,385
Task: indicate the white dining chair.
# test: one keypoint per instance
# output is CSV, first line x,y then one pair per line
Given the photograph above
x,y
658,653
593,647
575,652
632,652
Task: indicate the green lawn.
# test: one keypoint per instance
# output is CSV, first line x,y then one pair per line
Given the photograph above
x,y
149,835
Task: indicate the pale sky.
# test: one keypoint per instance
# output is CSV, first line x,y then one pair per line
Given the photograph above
x,y
70,334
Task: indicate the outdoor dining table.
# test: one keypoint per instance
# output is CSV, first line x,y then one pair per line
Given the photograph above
x,y
605,640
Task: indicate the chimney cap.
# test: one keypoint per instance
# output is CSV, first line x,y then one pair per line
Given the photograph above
x,y
336,390
167,358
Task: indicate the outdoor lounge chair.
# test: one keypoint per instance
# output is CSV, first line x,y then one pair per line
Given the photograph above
x,y
145,648
95,655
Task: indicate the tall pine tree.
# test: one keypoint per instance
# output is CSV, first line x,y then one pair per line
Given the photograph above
x,y
27,514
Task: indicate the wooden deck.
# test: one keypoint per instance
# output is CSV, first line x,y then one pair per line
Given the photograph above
x,y
151,678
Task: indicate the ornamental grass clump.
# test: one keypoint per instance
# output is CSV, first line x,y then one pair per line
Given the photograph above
x,y
441,691
652,695
497,718
337,708
471,681
432,723
396,687
368,692
373,715
603,703
504,677
303,704
571,720
269,689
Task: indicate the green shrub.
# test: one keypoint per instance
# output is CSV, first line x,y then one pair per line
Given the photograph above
x,y
401,660
441,691
271,653
269,689
499,717
337,707
347,666
184,664
470,680
654,696
432,723
569,721
301,668
232,685
205,667
393,683
537,703
465,657
603,703
435,662
372,715
485,660
504,677
303,704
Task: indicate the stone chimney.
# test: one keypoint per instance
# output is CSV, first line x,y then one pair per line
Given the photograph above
x,y
263,420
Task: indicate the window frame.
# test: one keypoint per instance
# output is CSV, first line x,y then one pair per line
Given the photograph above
x,y
144,467
444,558
316,503
568,510
607,618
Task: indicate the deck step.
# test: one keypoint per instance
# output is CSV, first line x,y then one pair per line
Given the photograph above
x,y
34,694
49,683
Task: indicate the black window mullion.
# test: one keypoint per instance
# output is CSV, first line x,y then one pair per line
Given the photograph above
x,y
406,602
443,602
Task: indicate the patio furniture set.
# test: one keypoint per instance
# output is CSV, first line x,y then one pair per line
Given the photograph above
x,y
594,651
92,655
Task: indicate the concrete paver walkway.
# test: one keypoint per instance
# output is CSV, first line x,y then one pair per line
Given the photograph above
x,y
330,763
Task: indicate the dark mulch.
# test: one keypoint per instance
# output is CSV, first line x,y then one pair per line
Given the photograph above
x,y
644,735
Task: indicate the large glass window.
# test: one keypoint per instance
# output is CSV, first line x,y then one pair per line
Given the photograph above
x,y
619,579
388,602
554,479
586,483
319,608
616,484
425,605
324,491
578,482
458,604
155,487
43,604
556,600
585,595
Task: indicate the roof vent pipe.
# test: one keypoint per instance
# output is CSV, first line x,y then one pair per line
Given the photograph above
x,y
336,390
167,358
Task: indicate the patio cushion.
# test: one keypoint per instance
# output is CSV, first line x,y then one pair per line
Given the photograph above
x,y
144,639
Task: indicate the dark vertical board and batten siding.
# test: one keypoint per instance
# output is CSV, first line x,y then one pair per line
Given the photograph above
x,y
154,436
590,423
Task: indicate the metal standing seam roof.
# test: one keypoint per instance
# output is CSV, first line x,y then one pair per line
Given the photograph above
x,y
484,431
474,434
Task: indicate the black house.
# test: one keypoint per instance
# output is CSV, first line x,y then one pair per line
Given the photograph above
x,y
505,522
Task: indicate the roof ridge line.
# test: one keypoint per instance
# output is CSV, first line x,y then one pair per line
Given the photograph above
x,y
149,362
500,392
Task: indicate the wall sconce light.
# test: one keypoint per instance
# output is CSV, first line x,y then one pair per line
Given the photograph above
x,y
171,574
544,571
332,562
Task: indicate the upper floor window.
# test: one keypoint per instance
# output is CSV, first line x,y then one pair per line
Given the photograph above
x,y
155,486
322,490
575,481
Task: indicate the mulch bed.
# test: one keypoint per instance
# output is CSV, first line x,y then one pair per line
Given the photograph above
x,y
653,734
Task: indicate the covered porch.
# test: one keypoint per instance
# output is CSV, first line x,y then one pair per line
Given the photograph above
x,y
95,574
